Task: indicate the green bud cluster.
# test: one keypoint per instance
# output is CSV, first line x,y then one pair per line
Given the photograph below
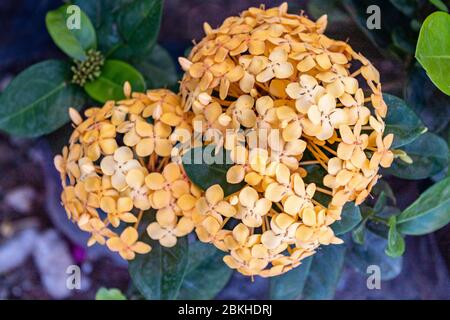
x,y
89,69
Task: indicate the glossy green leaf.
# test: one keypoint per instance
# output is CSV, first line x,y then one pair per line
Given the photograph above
x,y
433,49
73,41
158,275
109,86
206,273
315,279
36,102
325,273
402,121
289,286
429,212
103,14
158,69
206,168
109,294
396,243
370,253
138,24
350,218
429,103
126,29
429,153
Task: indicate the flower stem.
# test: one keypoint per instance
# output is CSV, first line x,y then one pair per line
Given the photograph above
x,y
328,192
330,150
305,163
136,224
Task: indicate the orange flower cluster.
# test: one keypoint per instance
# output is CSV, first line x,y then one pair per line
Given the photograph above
x,y
312,101
282,99
117,167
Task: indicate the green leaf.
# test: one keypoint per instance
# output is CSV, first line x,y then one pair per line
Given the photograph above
x,y
206,273
316,278
109,294
103,14
429,212
433,49
117,23
74,42
325,273
396,243
138,24
158,69
377,221
429,153
439,4
402,121
158,275
384,194
109,86
350,217
381,202
204,168
289,286
36,102
429,103
358,234
370,253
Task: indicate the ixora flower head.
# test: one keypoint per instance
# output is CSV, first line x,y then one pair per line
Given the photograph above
x,y
317,108
299,114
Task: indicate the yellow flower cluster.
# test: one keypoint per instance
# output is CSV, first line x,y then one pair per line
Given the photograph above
x,y
117,166
311,101
277,94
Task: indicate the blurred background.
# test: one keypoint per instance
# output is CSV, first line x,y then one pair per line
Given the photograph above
x,y
37,241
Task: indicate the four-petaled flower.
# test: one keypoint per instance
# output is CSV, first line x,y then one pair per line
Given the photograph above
x,y
283,229
277,66
118,165
118,210
167,186
323,117
306,92
352,145
383,156
127,244
167,228
251,208
301,198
